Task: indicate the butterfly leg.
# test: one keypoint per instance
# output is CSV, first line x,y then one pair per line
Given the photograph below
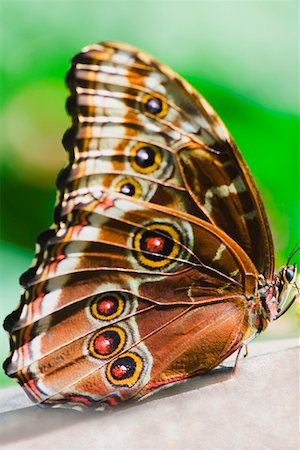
x,y
237,357
244,344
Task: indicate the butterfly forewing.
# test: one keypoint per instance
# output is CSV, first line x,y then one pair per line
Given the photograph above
x,y
213,169
150,272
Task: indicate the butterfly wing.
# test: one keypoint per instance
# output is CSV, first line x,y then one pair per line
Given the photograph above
x,y
136,285
106,319
212,169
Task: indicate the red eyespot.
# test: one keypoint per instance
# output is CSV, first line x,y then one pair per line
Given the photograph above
x,y
119,371
107,306
104,345
123,368
107,342
155,244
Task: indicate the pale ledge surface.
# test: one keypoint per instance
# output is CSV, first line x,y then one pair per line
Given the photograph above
x,y
257,409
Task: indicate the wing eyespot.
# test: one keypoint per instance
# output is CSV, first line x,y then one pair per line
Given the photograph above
x,y
129,186
107,306
107,342
125,370
155,105
145,158
157,246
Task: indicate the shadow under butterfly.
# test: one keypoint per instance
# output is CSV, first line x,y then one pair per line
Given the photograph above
x,y
160,262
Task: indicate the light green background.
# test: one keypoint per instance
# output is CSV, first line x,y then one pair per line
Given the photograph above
x,y
241,55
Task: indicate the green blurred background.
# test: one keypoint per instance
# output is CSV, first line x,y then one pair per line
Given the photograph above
x,y
241,55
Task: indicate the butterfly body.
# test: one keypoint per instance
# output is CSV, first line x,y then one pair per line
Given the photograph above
x,y
160,262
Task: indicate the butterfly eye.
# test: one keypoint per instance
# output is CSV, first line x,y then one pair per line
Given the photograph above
x,y
155,105
107,343
145,158
289,274
130,187
157,245
107,306
125,370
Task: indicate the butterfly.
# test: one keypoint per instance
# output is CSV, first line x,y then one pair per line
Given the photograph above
x,y
160,262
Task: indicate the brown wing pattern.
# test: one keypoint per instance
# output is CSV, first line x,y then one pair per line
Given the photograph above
x,y
144,278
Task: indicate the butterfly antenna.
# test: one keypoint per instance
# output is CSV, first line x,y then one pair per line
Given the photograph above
x,y
294,251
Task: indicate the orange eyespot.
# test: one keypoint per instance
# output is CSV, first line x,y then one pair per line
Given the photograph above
x,y
129,186
107,342
125,370
145,158
155,105
157,246
107,306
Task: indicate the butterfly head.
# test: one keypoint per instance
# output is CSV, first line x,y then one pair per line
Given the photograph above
x,y
285,281
280,290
